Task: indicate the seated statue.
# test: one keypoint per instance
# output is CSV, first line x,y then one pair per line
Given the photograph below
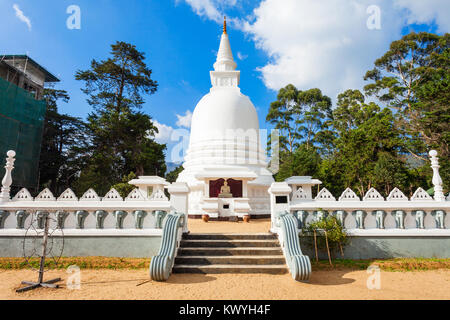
x,y
225,191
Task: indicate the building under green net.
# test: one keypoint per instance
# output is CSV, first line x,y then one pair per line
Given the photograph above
x,y
22,114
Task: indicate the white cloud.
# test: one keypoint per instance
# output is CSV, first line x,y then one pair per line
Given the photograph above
x,y
164,132
211,9
21,16
205,8
176,139
184,120
241,56
420,11
326,44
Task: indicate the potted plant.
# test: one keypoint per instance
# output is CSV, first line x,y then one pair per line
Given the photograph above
x,y
205,217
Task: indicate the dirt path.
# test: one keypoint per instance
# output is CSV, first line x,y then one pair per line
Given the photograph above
x,y
122,284
254,226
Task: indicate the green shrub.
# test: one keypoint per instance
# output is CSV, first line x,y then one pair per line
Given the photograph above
x,y
337,237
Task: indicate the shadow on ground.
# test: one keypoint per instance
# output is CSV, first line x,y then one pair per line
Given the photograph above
x,y
330,278
189,278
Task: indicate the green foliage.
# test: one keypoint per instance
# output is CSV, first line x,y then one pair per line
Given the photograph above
x,y
122,137
124,188
336,234
412,78
173,175
299,116
365,132
390,172
96,263
301,162
382,143
63,137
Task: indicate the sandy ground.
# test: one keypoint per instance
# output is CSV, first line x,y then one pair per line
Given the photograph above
x,y
135,284
123,284
254,226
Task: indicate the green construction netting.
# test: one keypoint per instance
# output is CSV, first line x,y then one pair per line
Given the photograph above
x,y
21,124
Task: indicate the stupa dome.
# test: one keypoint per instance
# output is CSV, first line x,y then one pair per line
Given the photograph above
x,y
225,145
221,110
225,119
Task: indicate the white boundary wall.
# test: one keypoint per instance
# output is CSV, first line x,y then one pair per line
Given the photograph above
x,y
373,215
138,214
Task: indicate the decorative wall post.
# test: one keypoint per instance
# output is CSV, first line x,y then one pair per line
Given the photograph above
x,y
99,218
379,218
41,217
139,216
359,217
439,216
159,218
279,201
340,216
399,216
21,216
320,215
420,218
120,216
301,218
179,200
3,215
7,179
80,217
61,218
437,180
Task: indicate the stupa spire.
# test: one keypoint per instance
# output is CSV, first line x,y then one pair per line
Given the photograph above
x,y
225,61
225,74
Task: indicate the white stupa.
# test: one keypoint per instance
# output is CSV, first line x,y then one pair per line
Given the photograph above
x,y
225,145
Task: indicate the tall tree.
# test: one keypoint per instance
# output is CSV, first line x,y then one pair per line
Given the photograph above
x,y
63,138
284,114
122,135
412,79
302,118
299,116
315,110
364,133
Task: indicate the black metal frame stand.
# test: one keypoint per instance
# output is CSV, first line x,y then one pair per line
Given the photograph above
x,y
41,283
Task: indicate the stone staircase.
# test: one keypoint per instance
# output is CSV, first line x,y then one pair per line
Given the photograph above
x,y
230,253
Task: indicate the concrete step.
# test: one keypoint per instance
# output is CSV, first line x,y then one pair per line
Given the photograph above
x,y
230,260
220,268
228,243
240,251
230,236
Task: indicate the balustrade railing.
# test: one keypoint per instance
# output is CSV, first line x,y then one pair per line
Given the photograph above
x,y
421,214
137,213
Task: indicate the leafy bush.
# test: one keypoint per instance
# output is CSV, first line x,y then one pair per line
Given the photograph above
x,y
335,233
124,188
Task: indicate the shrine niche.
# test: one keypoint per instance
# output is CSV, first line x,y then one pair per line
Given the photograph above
x,y
216,186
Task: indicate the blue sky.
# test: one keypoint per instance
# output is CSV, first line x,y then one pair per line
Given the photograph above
x,y
323,44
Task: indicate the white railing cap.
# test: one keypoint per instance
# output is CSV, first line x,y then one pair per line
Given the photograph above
x,y
148,181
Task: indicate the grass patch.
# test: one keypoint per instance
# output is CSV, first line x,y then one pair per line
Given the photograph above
x,y
397,264
81,262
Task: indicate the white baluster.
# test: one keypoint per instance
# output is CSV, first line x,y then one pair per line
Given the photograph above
x,y
437,180
7,179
